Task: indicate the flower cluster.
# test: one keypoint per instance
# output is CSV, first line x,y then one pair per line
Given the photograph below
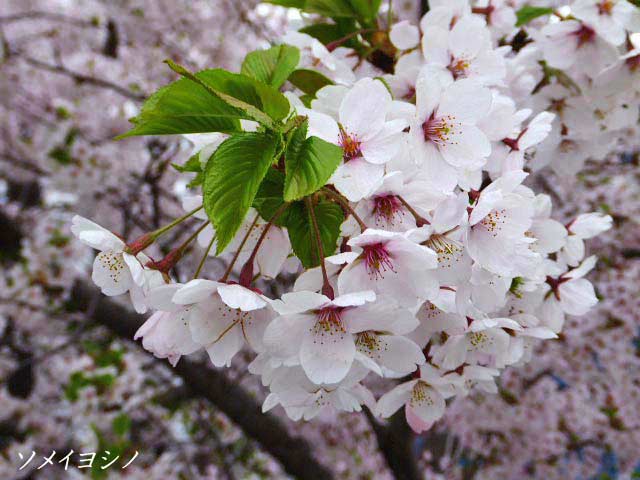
x,y
395,195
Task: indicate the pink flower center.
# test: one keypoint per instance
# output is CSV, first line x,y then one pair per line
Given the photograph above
x,y
458,67
439,130
385,208
377,260
585,35
329,320
350,145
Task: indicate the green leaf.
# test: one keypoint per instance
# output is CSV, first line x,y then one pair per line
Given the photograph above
x,y
528,13
183,107
271,66
244,93
330,32
191,165
309,81
309,162
301,234
325,32
331,8
288,3
366,9
270,197
232,178
208,101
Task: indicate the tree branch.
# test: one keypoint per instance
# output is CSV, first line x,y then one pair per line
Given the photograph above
x,y
394,441
82,78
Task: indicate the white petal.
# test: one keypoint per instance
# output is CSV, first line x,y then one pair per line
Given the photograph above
x,y
357,178
466,100
237,296
577,296
195,291
404,36
327,353
94,235
111,274
391,401
298,302
364,107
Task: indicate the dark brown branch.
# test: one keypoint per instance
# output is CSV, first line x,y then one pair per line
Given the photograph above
x,y
394,441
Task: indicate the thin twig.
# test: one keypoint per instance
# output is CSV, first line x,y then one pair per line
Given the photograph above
x,y
82,78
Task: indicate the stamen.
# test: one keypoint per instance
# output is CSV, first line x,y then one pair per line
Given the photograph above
x,y
439,130
329,320
449,251
386,208
458,67
494,221
421,395
114,263
377,260
350,145
370,344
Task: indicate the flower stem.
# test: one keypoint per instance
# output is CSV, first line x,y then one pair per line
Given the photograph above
x,y
204,257
235,256
148,238
345,204
169,226
420,220
327,290
174,256
246,274
336,43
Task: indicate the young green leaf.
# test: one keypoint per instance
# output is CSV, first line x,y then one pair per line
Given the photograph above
x,y
271,66
191,165
232,179
256,100
184,107
330,32
325,32
528,13
367,9
270,197
301,233
309,162
331,8
309,81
